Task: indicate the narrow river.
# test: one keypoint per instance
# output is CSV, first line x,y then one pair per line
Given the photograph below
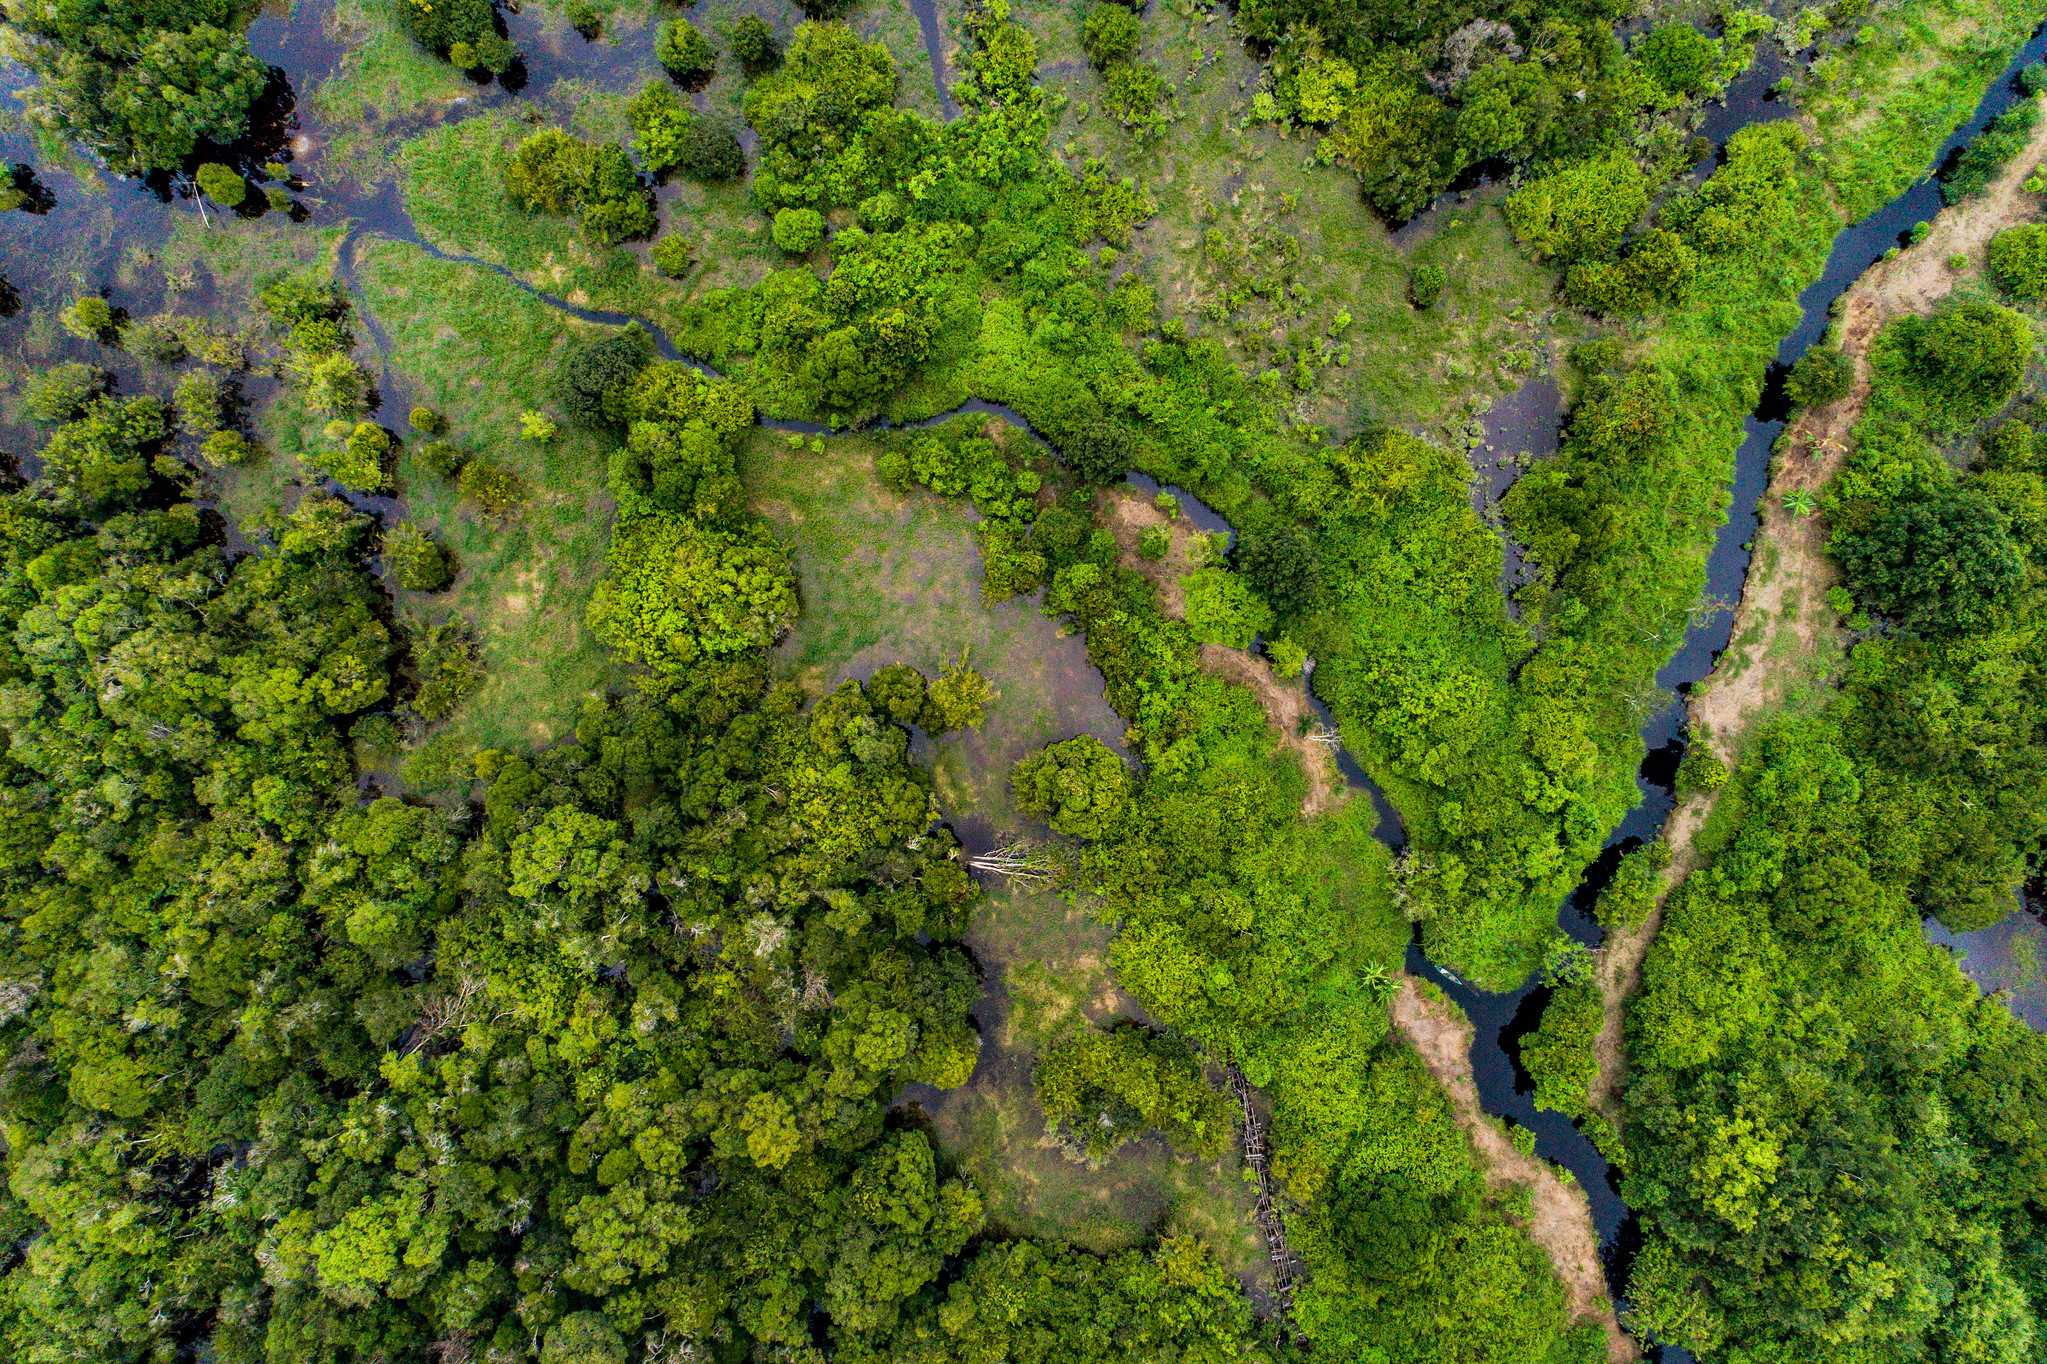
x,y
82,241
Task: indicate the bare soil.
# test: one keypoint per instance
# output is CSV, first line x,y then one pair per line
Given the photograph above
x,y
1127,513
1560,1217
1781,623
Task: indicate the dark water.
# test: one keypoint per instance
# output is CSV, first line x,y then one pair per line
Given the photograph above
x,y
2010,957
934,50
1520,428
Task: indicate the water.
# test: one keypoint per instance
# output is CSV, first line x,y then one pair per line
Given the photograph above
x,y
2008,956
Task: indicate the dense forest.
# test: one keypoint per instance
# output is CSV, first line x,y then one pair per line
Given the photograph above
x,y
922,683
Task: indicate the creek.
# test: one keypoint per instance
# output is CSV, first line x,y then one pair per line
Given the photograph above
x,y
91,229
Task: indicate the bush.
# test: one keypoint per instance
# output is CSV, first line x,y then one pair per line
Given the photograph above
x,y
89,318
463,31
426,421
1582,210
1425,285
1101,1090
156,340
59,393
416,562
684,52
585,19
1110,34
1702,771
710,151
201,401
1680,59
1222,609
224,448
1820,376
957,700
360,463
440,458
753,44
222,184
673,256
445,659
674,594
897,691
2018,261
1153,542
1967,360
491,486
277,197
537,427
798,231
1136,89
1980,161
1283,566
2033,79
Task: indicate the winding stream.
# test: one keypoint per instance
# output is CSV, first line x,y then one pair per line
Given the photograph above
x,y
81,239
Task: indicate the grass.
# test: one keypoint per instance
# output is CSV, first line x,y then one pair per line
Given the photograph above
x,y
888,577
479,349
383,80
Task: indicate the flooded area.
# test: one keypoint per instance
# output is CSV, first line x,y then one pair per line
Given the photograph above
x,y
2008,958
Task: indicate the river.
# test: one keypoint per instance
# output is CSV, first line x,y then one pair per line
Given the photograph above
x,y
85,234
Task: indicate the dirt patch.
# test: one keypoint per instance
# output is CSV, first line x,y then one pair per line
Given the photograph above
x,y
1127,514
1560,1216
1781,623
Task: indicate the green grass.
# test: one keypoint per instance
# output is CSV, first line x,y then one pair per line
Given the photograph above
x,y
383,80
477,348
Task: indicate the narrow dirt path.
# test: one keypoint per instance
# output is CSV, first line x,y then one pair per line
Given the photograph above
x,y
1560,1217
1128,514
1782,623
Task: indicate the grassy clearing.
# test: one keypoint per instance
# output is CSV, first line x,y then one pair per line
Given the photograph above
x,y
383,80
888,577
480,350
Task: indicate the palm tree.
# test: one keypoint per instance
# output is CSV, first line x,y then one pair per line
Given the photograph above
x,y
1800,502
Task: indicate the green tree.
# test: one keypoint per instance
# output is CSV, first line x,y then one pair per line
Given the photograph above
x,y
1079,785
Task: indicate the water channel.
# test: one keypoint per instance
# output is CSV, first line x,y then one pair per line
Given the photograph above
x,y
81,239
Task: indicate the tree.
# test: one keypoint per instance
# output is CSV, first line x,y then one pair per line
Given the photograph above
x,y
89,318
675,594
1680,59
1080,786
1283,566
673,255
1939,563
593,381
1223,609
222,184
463,31
684,52
1967,359
61,392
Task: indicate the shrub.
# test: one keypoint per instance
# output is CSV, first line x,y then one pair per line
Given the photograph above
x,y
1680,59
1582,210
1110,34
1967,359
201,402
710,151
1101,1090
463,31
585,19
1136,89
444,657
1980,161
2018,261
798,231
1819,377
1425,284
491,486
1287,658
156,340
1701,771
225,447
334,384
89,318
426,421
1222,609
1153,542
684,52
59,393
675,593
537,426
417,563
277,197
222,184
360,463
673,256
2033,79
897,691
439,457
1283,566
753,43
